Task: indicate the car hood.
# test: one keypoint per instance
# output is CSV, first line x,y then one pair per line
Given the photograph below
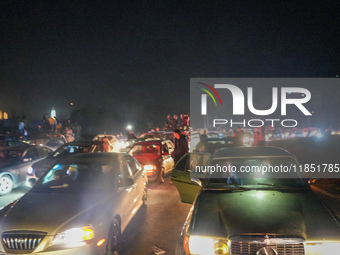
x,y
48,212
223,214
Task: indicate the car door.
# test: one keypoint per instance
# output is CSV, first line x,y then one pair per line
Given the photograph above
x,y
168,161
128,187
185,170
29,157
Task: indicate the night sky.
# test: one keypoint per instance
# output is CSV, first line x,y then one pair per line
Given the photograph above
x,y
136,58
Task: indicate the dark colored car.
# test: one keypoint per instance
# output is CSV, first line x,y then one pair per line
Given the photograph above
x,y
80,206
259,212
14,162
9,143
52,142
37,169
155,156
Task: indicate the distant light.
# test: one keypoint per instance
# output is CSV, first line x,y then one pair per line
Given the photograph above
x,y
129,127
71,103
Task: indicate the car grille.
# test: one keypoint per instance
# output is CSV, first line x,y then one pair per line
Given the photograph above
x,y
245,248
22,241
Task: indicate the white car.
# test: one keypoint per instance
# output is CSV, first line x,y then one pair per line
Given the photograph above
x,y
80,206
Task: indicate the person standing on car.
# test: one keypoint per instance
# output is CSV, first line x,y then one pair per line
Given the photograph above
x,y
185,121
181,145
173,122
106,144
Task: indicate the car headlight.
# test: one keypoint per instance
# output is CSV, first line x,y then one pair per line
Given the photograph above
x,y
197,245
30,170
323,248
74,236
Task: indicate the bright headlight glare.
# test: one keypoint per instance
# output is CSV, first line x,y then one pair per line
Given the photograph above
x,y
149,167
323,248
201,245
30,170
221,248
74,236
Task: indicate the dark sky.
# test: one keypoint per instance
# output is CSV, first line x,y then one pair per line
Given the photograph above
x,y
137,57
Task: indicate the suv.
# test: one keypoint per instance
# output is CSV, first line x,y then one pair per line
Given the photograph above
x,y
155,156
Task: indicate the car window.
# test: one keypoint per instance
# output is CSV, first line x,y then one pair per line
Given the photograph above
x,y
254,171
10,155
183,164
32,153
80,177
148,148
170,146
132,165
165,148
124,169
44,152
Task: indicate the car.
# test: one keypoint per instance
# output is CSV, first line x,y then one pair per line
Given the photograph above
x,y
126,145
8,143
52,142
112,139
155,156
251,213
80,206
37,169
14,162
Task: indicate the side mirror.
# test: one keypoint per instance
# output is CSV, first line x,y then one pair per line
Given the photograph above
x,y
32,181
197,181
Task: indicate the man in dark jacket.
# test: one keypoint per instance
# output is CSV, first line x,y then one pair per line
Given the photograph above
x,y
181,145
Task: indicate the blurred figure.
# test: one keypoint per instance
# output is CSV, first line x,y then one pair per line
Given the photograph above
x,y
185,121
238,136
21,127
166,126
181,146
130,134
173,122
259,137
106,144
69,135
204,135
200,147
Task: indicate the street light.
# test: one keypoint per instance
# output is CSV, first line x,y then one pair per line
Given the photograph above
x,y
129,127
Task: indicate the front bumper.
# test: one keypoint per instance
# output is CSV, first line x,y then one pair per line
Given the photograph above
x,y
89,249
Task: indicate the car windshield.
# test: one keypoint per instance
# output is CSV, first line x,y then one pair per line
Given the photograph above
x,y
81,176
149,148
10,155
71,149
254,173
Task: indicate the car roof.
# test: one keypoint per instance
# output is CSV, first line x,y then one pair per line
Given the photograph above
x,y
83,142
20,147
266,151
85,157
151,141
